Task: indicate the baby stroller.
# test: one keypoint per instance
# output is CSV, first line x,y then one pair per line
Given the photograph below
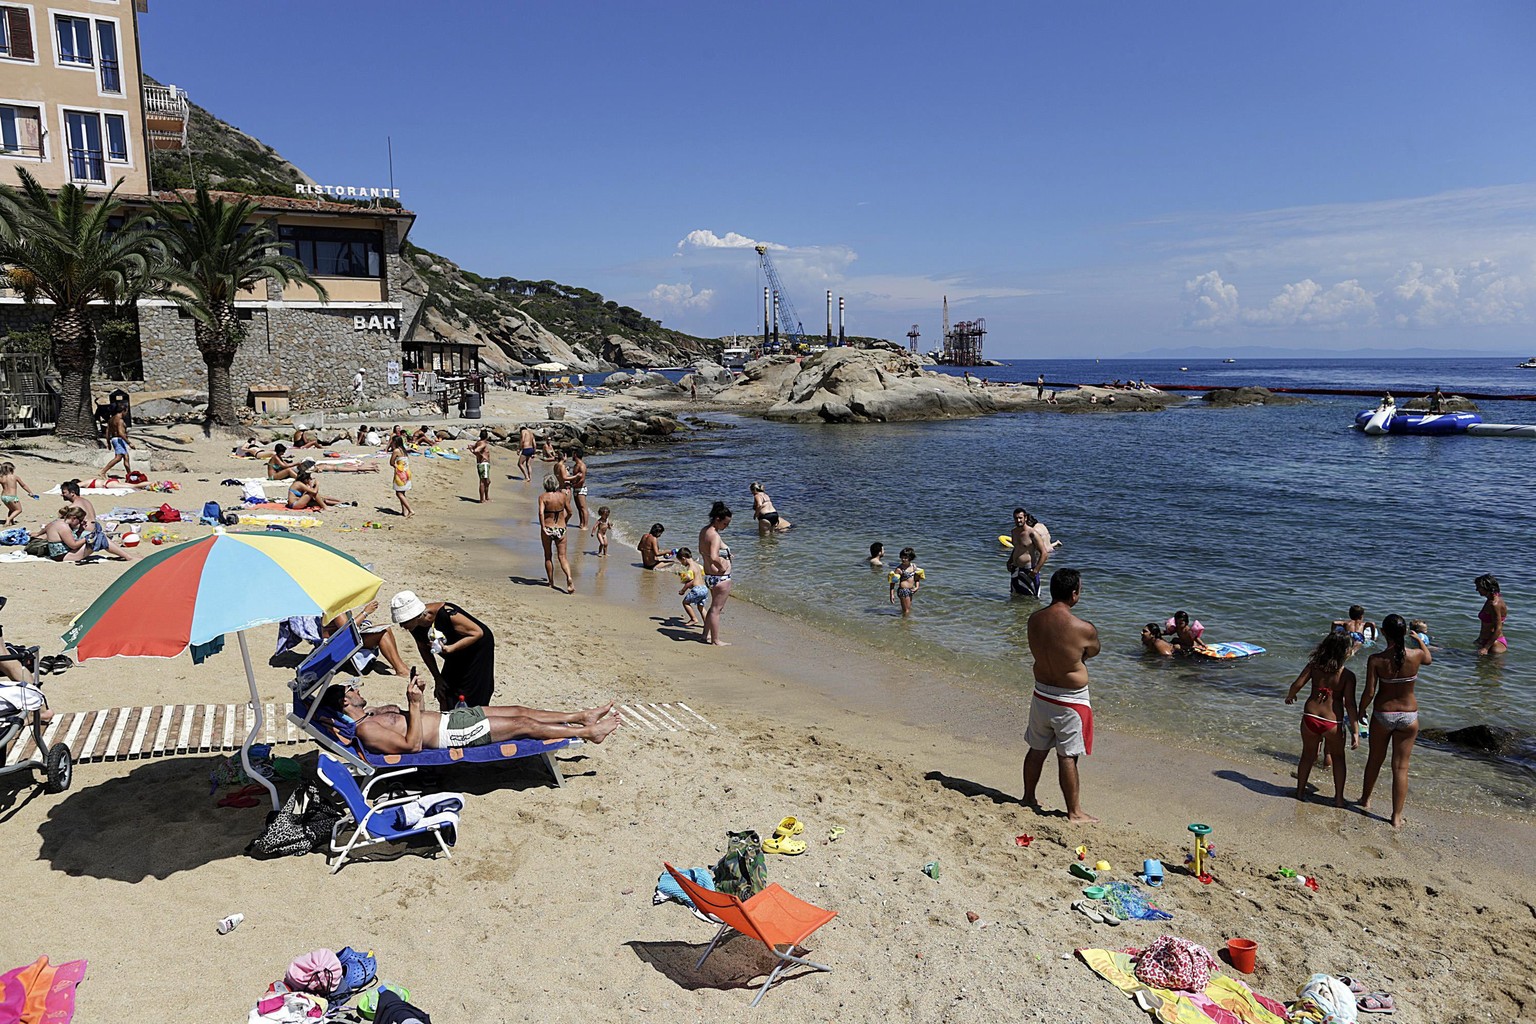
x,y
21,708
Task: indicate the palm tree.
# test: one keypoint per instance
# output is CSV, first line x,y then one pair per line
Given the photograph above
x,y
72,248
214,253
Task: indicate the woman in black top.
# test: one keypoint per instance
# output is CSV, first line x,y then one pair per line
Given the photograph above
x,y
466,646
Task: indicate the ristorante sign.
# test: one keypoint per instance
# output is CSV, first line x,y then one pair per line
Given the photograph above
x,y
346,191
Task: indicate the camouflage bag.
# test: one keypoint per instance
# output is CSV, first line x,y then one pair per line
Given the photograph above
x,y
742,872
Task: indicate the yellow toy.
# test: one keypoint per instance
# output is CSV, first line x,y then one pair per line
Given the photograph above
x,y
1202,847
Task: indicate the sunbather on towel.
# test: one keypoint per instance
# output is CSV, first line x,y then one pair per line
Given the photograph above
x,y
393,730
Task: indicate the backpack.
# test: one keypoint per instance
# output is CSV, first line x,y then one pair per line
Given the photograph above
x,y
742,872
212,514
319,972
165,514
305,823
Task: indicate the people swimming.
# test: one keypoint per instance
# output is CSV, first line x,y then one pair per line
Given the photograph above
x,y
1152,639
1357,627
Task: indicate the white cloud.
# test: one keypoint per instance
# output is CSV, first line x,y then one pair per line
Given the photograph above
x,y
1479,294
1308,304
703,238
682,297
1211,301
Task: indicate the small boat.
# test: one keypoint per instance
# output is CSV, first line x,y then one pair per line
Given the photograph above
x,y
1183,369
1529,364
734,358
1229,360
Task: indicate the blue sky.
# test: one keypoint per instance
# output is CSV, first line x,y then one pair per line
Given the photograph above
x,y
1091,178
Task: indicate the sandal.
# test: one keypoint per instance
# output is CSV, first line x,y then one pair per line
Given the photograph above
x,y
1355,985
1086,909
790,826
837,832
784,845
1376,1002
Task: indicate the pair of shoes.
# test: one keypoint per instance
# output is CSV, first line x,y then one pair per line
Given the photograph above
x,y
783,840
57,665
1088,910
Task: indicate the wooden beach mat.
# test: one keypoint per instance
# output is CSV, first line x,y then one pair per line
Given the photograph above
x,y
164,730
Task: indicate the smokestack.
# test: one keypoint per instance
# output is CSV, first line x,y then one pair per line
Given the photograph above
x,y
765,315
829,317
775,321
842,337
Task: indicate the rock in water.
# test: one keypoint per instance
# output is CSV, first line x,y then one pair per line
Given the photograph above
x,y
846,385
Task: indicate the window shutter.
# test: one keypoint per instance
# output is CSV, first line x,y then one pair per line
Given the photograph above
x,y
18,21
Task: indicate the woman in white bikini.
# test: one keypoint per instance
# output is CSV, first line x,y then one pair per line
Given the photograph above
x,y
716,558
1389,680
554,514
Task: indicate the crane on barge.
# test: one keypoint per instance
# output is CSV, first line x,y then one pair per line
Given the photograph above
x,y
787,317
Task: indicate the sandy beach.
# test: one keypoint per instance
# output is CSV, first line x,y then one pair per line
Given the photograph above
x,y
544,912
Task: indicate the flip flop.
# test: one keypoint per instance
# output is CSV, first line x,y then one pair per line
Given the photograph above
x,y
1086,909
1355,985
790,826
784,845
837,832
242,797
1082,871
1376,1002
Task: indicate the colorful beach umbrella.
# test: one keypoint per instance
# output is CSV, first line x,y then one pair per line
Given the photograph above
x,y
194,593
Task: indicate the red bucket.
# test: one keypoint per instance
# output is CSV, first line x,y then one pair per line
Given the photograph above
x,y
1242,953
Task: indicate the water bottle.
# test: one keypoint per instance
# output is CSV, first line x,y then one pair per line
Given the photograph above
x,y
230,923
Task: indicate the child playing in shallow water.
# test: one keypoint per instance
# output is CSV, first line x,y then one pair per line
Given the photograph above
x,y
1330,705
693,592
11,487
600,529
1418,627
905,580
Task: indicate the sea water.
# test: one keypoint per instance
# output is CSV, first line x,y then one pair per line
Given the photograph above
x,y
1265,523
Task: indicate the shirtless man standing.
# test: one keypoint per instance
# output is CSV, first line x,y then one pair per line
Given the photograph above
x,y
481,450
1032,547
117,439
525,449
1059,713
392,730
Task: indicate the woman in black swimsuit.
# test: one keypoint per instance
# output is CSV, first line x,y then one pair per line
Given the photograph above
x,y
768,517
466,645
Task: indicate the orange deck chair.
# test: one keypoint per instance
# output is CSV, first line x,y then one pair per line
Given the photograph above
x,y
773,917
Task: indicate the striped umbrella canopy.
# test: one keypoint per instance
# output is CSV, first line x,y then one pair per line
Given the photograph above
x,y
196,592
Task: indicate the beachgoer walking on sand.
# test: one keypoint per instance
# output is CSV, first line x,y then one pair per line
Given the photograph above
x,y
1152,640
390,730
693,591
1032,547
466,646
716,557
1490,638
1389,681
601,529
1060,714
579,482
525,451
1323,716
651,555
11,487
117,438
768,518
401,464
554,510
906,579
358,392
481,450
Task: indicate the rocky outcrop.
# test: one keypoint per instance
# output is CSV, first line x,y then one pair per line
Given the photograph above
x,y
609,432
708,377
845,385
1227,398
1450,403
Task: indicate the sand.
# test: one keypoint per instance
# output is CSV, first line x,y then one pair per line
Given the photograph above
x,y
544,911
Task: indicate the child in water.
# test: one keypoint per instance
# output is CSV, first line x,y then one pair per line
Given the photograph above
x,y
600,529
693,592
11,487
875,551
905,580
1418,627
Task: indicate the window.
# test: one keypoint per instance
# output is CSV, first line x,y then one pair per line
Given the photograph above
x,y
16,33
74,35
106,46
21,130
334,252
117,138
87,161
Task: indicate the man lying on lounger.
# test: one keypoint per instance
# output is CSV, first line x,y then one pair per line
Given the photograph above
x,y
391,730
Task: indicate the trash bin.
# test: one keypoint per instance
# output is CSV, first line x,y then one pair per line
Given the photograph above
x,y
472,401
121,397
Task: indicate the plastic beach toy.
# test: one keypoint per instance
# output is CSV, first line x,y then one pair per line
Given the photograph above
x,y
1083,871
1243,952
1102,865
1202,850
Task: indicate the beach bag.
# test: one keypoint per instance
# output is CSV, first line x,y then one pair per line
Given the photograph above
x,y
742,872
1172,962
303,824
212,514
318,972
165,514
37,547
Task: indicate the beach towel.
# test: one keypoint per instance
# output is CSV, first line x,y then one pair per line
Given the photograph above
x,y
263,518
20,556
40,993
667,888
295,630
1128,904
118,491
1223,1000
15,535
126,515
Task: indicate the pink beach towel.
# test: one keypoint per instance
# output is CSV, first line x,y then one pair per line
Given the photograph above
x,y
40,993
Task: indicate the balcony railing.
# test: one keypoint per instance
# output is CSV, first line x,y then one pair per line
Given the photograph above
x,y
166,116
111,76
88,165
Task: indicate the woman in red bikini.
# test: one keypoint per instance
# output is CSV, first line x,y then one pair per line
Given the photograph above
x,y
1490,639
1323,716
1389,680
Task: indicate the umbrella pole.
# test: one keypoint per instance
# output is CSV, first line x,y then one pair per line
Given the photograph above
x,y
245,748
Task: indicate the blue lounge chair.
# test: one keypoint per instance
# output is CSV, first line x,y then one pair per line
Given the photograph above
x,y
337,737
384,822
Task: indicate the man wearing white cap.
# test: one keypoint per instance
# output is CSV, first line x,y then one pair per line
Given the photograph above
x,y
467,647
357,386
